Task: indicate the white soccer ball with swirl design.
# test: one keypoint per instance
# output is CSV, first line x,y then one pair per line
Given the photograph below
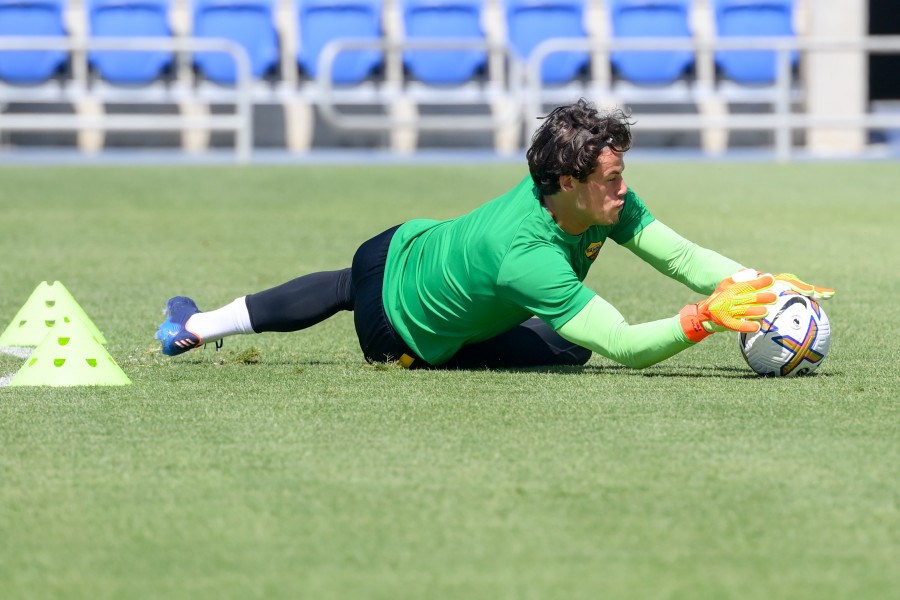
x,y
794,337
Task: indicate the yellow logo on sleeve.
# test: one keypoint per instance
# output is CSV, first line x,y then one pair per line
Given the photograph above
x,y
593,250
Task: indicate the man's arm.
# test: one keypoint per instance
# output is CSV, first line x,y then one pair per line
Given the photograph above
x,y
698,268
702,269
736,305
602,329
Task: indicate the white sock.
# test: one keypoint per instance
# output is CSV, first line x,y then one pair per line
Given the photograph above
x,y
231,319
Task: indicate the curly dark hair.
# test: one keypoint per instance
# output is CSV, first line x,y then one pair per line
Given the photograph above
x,y
569,141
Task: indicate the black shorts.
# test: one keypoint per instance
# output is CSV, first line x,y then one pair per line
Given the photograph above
x,y
377,337
530,344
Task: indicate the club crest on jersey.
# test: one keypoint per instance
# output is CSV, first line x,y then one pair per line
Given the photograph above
x,y
593,250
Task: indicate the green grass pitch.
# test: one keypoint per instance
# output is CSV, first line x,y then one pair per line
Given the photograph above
x,y
283,466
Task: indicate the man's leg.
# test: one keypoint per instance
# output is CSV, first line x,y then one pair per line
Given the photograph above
x,y
291,306
302,302
531,344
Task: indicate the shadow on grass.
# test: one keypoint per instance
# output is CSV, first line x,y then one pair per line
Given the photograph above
x,y
673,372
253,358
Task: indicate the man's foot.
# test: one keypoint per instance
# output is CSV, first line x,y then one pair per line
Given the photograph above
x,y
173,334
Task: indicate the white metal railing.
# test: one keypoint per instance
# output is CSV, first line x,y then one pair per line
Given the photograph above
x,y
498,86
81,86
512,84
782,120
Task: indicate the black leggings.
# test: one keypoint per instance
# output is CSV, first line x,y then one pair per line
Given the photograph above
x,y
310,299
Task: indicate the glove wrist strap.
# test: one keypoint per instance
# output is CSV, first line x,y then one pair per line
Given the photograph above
x,y
691,323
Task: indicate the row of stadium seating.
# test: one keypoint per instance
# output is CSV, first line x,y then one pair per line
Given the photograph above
x,y
254,25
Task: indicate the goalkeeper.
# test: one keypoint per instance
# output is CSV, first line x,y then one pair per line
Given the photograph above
x,y
501,287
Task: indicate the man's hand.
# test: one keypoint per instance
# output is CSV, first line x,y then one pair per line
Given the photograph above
x,y
735,305
801,287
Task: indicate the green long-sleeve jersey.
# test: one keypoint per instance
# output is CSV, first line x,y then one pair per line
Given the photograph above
x,y
451,283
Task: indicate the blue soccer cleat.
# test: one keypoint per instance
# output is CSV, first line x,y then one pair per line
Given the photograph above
x,y
175,338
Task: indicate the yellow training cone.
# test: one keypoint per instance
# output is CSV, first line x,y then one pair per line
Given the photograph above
x,y
70,355
48,305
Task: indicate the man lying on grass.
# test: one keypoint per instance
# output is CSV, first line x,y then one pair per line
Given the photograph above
x,y
501,287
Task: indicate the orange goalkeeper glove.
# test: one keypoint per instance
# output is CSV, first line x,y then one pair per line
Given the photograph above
x,y
801,287
791,281
736,305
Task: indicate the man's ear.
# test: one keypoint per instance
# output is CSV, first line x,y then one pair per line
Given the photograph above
x,y
566,183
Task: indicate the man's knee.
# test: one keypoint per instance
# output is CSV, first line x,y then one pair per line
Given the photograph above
x,y
580,356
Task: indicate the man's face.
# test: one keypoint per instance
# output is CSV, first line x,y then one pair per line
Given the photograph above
x,y
599,200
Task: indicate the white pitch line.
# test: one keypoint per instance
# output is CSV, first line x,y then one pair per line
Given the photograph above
x,y
18,352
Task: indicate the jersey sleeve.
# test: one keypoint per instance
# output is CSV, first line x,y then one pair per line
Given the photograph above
x,y
539,280
700,269
602,329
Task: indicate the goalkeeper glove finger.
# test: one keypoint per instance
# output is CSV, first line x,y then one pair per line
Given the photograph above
x,y
735,305
801,287
752,313
791,281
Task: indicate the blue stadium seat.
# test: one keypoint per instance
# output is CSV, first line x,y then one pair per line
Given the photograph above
x,y
746,18
31,18
249,23
129,18
321,21
432,19
530,22
651,19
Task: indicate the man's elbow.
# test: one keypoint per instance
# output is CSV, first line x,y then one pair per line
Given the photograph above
x,y
635,362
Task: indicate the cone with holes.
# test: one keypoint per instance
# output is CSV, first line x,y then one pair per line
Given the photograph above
x,y
70,355
49,304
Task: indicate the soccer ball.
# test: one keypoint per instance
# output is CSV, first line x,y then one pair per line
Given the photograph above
x,y
793,339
